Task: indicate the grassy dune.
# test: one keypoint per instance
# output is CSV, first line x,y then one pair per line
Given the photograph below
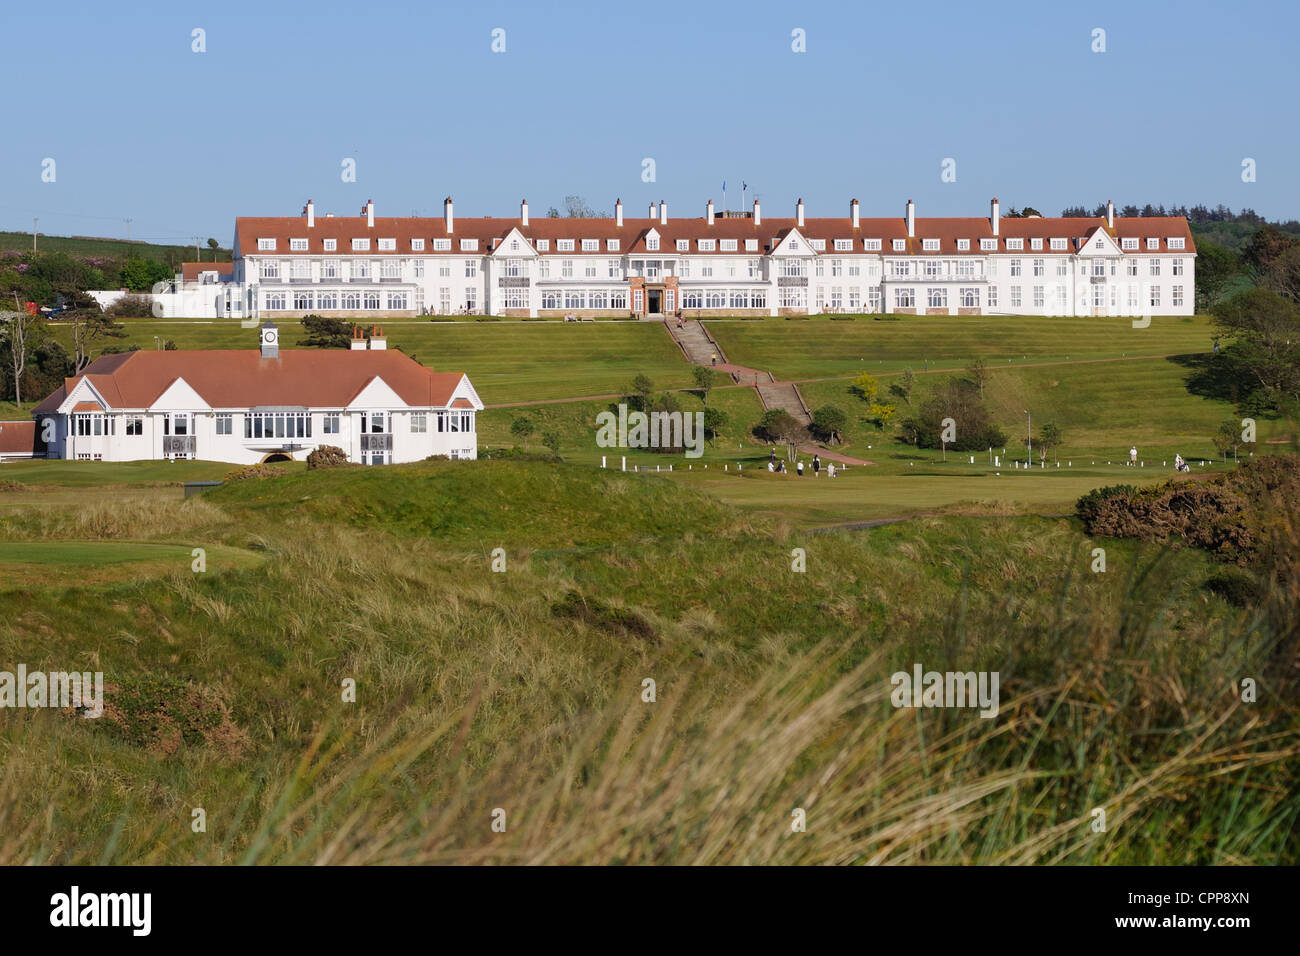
x,y
523,690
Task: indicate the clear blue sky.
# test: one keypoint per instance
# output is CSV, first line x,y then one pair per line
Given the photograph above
x,y
182,142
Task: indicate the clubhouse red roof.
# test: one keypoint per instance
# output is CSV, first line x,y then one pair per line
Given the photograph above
x,y
20,438
242,378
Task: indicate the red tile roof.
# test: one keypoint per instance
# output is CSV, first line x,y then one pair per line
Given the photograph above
x,y
230,378
20,438
190,271
632,234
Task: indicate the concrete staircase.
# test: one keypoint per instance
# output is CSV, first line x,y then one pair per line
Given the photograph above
x,y
785,395
695,342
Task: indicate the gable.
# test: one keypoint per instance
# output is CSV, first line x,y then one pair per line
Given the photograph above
x,y
179,396
1098,243
376,394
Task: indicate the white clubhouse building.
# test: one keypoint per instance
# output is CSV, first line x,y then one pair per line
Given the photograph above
x,y
737,263
254,405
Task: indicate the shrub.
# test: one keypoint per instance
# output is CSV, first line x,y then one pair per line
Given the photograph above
x,y
254,471
1236,586
327,456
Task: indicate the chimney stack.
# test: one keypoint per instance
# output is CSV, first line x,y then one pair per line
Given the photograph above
x,y
758,214
358,339
618,213
523,213
709,211
911,219
798,213
1110,214
653,214
995,215
311,214
447,214
663,212
377,340
853,214
370,214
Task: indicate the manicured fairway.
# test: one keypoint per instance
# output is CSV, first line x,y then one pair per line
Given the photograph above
x,y
507,361
820,347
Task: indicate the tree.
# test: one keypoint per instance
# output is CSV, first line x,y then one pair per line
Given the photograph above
x,y
214,246
19,327
1228,437
88,327
778,425
552,441
714,419
575,207
704,379
904,386
139,275
1283,275
979,373
1215,267
323,333
640,390
865,387
1049,439
956,399
1265,246
828,424
1267,329
522,427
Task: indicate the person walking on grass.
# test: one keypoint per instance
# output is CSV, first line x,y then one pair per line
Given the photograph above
x,y
1133,456
817,466
830,469
799,467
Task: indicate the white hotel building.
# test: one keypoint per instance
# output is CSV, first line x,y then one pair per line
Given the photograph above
x,y
718,264
255,405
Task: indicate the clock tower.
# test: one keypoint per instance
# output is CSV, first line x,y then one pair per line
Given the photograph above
x,y
270,338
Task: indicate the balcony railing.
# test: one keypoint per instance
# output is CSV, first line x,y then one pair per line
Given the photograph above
x,y
373,441
178,444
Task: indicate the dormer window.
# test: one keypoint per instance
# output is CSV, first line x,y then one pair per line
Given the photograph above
x,y
727,245
900,245
1016,244
360,245
652,243
471,245
929,245
543,245
683,245
297,245
442,245
611,245
988,245
590,245
843,245
963,245
332,245
706,245
1035,243
1176,243
819,245
751,245
1058,245
564,245
387,245
1153,243
265,245
1128,244
417,245
871,245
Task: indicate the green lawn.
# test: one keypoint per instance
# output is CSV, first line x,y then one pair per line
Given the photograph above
x,y
821,347
507,361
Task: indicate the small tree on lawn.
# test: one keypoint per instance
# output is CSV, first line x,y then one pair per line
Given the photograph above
x,y
904,386
979,373
521,428
552,441
704,378
640,389
1228,437
828,424
714,419
1049,439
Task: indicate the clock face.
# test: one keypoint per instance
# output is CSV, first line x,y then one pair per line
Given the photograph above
x,y
268,337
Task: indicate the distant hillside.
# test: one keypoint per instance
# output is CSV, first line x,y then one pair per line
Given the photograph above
x,y
92,246
1234,235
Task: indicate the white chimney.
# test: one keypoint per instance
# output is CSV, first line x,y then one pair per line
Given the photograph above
x,y
709,209
358,339
618,213
1110,214
653,214
995,215
911,219
663,212
798,213
370,214
311,214
447,216
377,340
758,214
853,214
523,213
